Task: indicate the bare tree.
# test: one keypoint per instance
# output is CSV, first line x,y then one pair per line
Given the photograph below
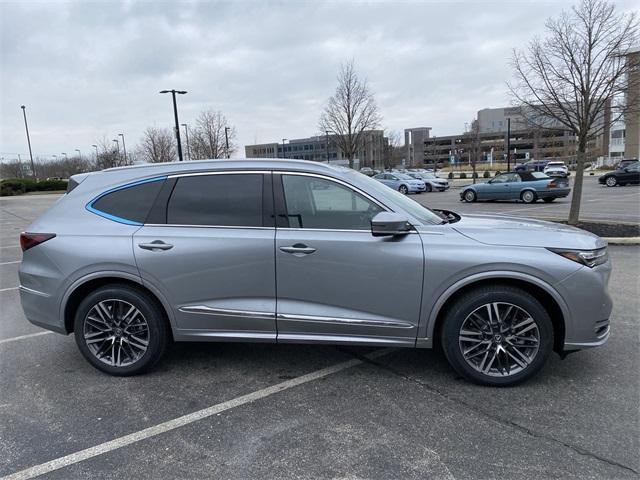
x,y
108,155
571,75
350,111
392,149
157,145
11,169
208,139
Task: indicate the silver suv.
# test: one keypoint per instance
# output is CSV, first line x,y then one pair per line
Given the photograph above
x,y
300,252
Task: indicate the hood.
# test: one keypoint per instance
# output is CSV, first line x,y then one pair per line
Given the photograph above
x,y
525,232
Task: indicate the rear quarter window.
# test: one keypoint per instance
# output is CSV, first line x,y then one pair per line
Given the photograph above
x,y
128,204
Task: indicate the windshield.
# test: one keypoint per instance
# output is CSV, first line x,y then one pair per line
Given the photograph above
x,y
555,164
428,175
423,214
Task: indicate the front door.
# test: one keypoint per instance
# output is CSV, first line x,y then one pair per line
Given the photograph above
x,y
210,254
335,281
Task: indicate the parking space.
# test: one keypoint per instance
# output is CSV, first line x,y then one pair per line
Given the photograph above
x,y
618,204
257,411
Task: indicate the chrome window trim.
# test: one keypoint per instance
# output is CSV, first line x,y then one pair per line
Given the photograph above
x,y
221,172
343,321
293,229
207,226
226,312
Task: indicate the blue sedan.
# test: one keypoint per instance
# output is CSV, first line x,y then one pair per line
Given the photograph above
x,y
525,186
401,182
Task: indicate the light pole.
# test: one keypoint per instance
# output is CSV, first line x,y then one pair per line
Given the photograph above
x,y
79,153
117,148
175,115
124,147
508,144
226,141
96,147
65,155
186,134
326,132
26,127
284,155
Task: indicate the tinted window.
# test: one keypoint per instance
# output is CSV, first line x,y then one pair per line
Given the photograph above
x,y
316,203
130,203
226,200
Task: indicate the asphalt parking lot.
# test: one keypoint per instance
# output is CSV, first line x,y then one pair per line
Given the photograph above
x,y
600,203
266,411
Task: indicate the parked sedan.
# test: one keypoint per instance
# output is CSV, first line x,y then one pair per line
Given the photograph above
x,y
622,176
525,186
133,259
401,182
432,181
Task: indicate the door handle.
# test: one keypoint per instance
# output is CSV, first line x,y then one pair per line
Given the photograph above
x,y
155,245
299,249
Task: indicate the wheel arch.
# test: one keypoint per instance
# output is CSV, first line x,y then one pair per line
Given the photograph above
x,y
81,288
549,298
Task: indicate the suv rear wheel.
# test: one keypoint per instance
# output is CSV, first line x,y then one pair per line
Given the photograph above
x,y
120,330
497,335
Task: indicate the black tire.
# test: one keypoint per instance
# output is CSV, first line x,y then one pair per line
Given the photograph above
x,y
156,333
548,200
528,196
611,181
457,314
403,189
469,196
429,187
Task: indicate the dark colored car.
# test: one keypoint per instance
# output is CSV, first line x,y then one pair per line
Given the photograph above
x,y
622,176
525,186
532,166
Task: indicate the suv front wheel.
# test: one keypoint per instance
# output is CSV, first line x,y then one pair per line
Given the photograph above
x,y
120,330
497,335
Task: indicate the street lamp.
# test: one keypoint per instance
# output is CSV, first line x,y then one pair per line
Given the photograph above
x,y
175,115
65,155
186,134
124,147
284,155
24,114
226,140
79,153
96,147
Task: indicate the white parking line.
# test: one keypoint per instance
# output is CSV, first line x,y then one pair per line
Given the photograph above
x,y
22,337
167,426
10,246
8,289
10,263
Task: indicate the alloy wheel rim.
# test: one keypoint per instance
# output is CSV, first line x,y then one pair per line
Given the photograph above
x,y
116,332
469,196
528,196
499,339
611,181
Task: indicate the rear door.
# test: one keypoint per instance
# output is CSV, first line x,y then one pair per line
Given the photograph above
x,y
208,248
335,281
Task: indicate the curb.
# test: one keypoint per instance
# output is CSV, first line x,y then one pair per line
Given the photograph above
x,y
622,240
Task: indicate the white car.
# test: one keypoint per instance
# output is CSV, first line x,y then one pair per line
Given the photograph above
x,y
556,169
433,182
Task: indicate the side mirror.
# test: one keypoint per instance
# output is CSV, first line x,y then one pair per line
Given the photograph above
x,y
386,224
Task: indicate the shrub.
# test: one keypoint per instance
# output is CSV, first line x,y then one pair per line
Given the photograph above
x,y
475,175
463,176
18,186
486,174
450,176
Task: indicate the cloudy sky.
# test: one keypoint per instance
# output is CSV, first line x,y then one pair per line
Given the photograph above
x,y
88,70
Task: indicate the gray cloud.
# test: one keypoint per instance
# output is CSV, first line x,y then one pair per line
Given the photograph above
x,y
91,69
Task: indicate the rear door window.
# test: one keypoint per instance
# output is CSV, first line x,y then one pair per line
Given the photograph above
x,y
232,200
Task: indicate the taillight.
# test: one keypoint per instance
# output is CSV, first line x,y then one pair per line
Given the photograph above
x,y
29,240
552,184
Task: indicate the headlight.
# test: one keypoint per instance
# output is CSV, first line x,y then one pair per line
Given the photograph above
x,y
590,258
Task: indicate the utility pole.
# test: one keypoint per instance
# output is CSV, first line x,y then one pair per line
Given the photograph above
x,y
226,141
26,127
124,148
186,134
326,132
175,115
508,144
96,147
284,155
79,153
